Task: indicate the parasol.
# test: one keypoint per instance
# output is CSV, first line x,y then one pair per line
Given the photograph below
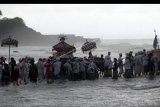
x,y
88,46
9,42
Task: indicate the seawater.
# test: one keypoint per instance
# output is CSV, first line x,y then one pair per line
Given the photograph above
x,y
114,46
103,92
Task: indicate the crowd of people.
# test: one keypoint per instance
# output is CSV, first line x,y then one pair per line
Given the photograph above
x,y
73,69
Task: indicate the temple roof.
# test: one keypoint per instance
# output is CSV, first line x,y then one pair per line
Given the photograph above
x,y
63,47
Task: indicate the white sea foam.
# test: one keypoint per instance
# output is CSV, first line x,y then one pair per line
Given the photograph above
x,y
114,46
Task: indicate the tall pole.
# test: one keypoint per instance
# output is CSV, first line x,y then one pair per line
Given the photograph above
x,y
155,32
157,39
9,55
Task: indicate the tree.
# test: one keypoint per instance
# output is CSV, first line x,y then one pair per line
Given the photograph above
x,y
0,13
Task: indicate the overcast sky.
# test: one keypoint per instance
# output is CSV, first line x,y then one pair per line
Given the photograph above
x,y
107,21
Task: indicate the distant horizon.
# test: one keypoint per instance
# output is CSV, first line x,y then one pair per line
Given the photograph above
x,y
130,39
100,38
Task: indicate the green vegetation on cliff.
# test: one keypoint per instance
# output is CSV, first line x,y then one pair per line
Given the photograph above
x,y
16,28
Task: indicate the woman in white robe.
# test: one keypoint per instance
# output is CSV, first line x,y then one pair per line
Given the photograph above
x,y
138,65
40,67
57,68
120,65
108,67
26,71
